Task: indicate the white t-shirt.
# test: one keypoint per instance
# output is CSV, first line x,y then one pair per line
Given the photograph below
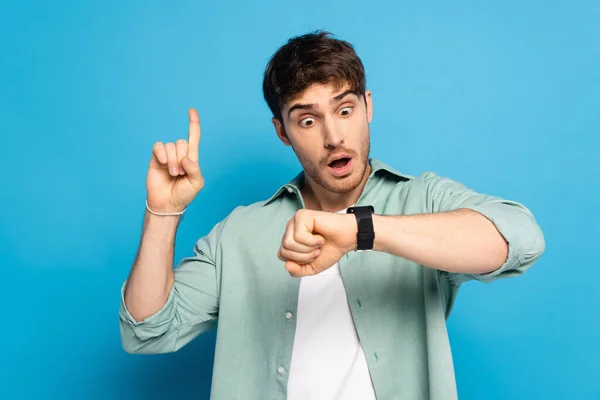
x,y
328,362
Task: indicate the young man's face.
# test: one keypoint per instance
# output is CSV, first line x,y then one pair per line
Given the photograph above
x,y
322,124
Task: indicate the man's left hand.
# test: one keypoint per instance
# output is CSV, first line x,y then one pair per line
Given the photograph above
x,y
315,240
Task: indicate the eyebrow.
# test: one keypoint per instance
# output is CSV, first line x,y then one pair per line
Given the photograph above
x,y
300,106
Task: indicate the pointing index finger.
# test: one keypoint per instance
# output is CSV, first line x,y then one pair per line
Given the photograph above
x,y
193,135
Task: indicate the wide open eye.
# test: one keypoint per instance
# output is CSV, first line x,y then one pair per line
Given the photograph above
x,y
346,111
307,122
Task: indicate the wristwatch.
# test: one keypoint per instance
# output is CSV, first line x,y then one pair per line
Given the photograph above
x,y
365,236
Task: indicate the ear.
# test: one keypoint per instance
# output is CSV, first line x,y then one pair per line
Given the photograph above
x,y
280,130
369,105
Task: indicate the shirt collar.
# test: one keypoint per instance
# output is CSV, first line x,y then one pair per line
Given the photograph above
x,y
295,184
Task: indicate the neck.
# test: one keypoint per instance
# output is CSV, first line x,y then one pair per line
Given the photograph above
x,y
318,198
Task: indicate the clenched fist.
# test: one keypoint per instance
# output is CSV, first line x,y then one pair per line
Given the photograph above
x,y
315,240
174,176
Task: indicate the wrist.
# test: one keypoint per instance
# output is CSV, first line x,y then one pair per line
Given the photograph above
x,y
350,233
164,213
378,228
362,228
161,223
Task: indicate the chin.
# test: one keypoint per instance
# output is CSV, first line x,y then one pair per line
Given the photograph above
x,y
342,187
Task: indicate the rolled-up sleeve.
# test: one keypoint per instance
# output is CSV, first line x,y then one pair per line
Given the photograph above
x,y
513,220
191,307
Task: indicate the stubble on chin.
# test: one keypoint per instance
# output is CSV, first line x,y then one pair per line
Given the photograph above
x,y
322,177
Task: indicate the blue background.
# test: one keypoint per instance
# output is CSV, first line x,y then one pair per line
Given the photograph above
x,y
502,96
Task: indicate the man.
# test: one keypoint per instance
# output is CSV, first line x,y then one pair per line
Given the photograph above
x,y
303,312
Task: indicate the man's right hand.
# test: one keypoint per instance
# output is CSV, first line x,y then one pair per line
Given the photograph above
x,y
174,178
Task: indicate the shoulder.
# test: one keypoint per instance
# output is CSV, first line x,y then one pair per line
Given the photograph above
x,y
426,181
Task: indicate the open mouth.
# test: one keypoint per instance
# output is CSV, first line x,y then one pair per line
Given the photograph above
x,y
341,167
342,162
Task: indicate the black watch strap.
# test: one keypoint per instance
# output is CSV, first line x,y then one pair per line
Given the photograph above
x,y
366,235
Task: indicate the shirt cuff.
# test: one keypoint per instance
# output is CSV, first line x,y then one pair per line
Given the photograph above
x,y
153,325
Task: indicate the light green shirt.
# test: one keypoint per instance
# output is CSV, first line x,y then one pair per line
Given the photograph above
x,y
399,307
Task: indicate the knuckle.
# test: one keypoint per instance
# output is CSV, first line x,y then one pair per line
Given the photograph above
x,y
291,241
300,214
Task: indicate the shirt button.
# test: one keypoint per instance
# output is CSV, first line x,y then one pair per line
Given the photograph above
x,y
288,315
281,370
289,189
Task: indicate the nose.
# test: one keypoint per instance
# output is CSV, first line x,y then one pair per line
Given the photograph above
x,y
334,136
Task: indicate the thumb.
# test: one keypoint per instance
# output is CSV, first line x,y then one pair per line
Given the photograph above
x,y
192,169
